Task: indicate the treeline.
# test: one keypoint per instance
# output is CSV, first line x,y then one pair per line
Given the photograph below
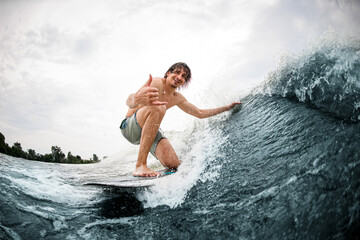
x,y
56,155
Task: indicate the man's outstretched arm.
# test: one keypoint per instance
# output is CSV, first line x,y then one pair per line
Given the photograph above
x,y
204,113
145,96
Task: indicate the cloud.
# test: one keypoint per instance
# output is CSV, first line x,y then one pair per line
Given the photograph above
x,y
85,46
66,68
289,26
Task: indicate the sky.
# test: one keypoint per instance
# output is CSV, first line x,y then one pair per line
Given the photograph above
x,y
67,67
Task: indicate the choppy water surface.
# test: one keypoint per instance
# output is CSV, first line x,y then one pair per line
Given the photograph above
x,y
287,166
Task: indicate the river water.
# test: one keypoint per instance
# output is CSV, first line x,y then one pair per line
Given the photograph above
x,y
287,166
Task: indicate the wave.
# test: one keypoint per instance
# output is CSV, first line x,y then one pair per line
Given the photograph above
x,y
326,76
276,169
198,155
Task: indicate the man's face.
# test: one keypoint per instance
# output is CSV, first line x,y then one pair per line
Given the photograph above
x,y
177,77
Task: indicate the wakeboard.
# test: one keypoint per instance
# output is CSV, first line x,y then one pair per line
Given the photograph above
x,y
131,182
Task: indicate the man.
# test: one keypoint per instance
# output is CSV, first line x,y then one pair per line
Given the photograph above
x,y
148,106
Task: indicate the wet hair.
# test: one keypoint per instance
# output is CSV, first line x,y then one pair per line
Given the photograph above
x,y
185,67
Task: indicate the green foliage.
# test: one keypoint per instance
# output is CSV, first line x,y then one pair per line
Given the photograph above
x,y
56,154
3,148
71,158
95,158
47,158
17,151
31,155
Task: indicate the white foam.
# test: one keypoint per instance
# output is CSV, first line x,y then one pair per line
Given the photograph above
x,y
58,221
52,188
86,234
197,166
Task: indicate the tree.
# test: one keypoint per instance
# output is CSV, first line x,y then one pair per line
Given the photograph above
x,y
71,158
31,154
57,154
47,157
95,158
17,151
78,159
2,144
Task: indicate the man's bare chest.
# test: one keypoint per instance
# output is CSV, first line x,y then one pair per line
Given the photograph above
x,y
171,100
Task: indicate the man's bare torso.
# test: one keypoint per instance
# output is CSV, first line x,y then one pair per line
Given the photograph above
x,y
166,94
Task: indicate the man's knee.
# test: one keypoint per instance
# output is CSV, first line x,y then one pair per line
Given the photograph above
x,y
153,114
157,110
161,108
173,165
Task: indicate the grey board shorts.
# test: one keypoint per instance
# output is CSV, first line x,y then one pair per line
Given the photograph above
x,y
131,130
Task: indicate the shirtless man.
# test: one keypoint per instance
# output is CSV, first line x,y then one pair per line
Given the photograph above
x,y
148,106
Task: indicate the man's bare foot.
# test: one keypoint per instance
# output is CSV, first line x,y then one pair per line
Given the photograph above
x,y
144,171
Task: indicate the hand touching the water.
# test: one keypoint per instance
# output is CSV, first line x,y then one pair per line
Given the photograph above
x,y
231,105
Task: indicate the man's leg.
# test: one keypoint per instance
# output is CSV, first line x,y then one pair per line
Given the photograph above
x,y
166,154
149,119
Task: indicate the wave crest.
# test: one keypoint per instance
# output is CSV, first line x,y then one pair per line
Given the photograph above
x,y
326,76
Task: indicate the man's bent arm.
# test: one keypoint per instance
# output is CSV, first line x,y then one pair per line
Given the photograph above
x,y
204,113
146,96
130,102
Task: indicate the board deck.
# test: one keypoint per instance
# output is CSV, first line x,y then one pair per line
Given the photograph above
x,y
131,181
